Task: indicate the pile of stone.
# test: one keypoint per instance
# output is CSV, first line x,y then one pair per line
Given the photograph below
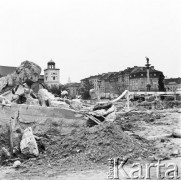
x,y
25,72
16,87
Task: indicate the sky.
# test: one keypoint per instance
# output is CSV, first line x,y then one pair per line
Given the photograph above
x,y
90,37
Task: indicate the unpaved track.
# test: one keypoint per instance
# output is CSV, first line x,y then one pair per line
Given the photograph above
x,y
165,124
95,174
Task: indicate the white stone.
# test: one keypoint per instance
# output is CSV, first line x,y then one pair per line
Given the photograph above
x,y
93,94
59,104
111,117
16,164
64,93
176,133
28,143
76,104
44,95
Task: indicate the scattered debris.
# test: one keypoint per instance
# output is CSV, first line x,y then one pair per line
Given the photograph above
x,y
78,130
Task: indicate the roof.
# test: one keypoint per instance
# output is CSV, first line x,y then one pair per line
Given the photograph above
x,y
114,75
5,70
172,81
51,62
143,69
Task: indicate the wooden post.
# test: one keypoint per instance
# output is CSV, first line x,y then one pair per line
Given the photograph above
x,y
127,100
11,137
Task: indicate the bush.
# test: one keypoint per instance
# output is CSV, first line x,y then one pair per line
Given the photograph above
x,y
85,88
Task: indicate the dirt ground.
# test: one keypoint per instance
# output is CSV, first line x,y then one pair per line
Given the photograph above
x,y
147,131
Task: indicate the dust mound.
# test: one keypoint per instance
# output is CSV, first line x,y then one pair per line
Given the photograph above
x,y
98,143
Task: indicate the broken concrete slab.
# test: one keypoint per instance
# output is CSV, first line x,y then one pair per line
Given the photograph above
x,y
28,143
58,104
41,119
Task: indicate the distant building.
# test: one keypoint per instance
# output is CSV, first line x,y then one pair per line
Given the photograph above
x,y
133,79
41,79
124,79
73,89
109,83
5,70
138,79
172,84
51,74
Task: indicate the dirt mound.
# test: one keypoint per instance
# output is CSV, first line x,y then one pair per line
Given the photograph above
x,y
97,144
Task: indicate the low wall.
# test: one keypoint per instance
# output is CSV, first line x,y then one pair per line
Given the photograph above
x,y
41,119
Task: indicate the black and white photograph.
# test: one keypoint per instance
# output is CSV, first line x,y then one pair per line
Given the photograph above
x,y
90,89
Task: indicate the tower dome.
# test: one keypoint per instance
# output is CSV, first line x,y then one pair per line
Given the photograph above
x,y
51,64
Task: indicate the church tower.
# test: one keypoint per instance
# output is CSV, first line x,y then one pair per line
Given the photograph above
x,y
51,74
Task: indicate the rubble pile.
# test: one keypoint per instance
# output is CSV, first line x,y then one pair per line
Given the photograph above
x,y
26,71
97,144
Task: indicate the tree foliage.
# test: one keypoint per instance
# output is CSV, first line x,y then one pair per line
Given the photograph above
x,y
85,88
56,90
161,86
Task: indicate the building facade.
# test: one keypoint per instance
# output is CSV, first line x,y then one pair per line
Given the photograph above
x,y
138,79
51,74
132,79
172,84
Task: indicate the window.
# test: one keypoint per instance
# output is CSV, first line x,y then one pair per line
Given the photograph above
x,y
53,77
141,74
154,74
46,78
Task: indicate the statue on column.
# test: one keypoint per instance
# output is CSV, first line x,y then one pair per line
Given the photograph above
x,y
148,77
147,59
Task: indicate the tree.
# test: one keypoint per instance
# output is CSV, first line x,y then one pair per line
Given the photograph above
x,y
56,90
85,88
161,86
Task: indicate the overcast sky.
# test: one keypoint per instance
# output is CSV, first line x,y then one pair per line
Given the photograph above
x,y
87,37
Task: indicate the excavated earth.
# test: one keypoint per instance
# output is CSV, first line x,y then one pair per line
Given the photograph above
x,y
135,135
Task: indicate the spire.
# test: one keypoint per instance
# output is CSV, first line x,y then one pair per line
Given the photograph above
x,y
69,81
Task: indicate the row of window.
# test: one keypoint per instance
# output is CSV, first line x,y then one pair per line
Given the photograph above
x,y
142,75
53,78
